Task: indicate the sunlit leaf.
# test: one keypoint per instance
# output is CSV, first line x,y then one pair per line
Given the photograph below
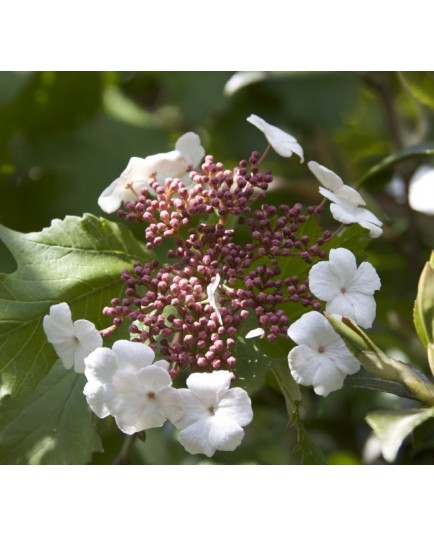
x,y
392,427
423,313
51,425
77,260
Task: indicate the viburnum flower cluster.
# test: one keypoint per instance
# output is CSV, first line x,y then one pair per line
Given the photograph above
x,y
229,259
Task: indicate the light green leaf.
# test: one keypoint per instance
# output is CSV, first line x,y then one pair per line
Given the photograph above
x,y
423,313
392,427
51,425
379,364
421,85
77,260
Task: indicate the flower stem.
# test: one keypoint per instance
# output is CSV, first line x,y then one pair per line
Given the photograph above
x,y
124,455
306,449
264,155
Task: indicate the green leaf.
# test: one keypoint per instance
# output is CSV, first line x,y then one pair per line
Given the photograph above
x,y
308,452
423,313
363,380
388,163
421,86
252,364
51,425
392,427
77,260
379,364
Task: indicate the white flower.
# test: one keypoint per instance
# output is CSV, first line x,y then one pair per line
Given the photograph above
x,y
347,204
72,341
213,414
124,382
212,291
421,190
282,142
348,290
175,164
257,332
321,359
241,79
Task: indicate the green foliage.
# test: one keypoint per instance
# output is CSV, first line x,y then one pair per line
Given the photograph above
x,y
65,136
379,364
392,427
421,85
77,260
384,168
51,425
423,313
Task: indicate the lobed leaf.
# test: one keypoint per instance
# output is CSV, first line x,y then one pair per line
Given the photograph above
x,y
51,425
77,260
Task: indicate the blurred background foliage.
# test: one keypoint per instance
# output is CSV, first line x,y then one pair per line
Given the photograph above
x,y
64,136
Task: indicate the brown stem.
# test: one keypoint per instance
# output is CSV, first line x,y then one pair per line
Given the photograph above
x,y
264,155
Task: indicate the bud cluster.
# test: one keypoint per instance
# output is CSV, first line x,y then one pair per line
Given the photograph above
x,y
169,307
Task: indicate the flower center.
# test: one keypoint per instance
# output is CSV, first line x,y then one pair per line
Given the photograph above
x,y
343,290
321,349
151,395
211,410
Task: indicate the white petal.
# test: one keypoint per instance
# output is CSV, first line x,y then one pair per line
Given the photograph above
x,y
58,324
111,198
153,379
134,414
329,195
257,332
328,378
190,147
162,363
236,405
66,351
209,387
225,434
195,438
325,176
241,79
99,398
347,213
171,404
89,337
351,195
212,291
323,283
342,305
125,382
309,367
335,184
364,309
343,265
193,409
303,362
366,279
101,365
313,330
171,164
282,142
133,355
